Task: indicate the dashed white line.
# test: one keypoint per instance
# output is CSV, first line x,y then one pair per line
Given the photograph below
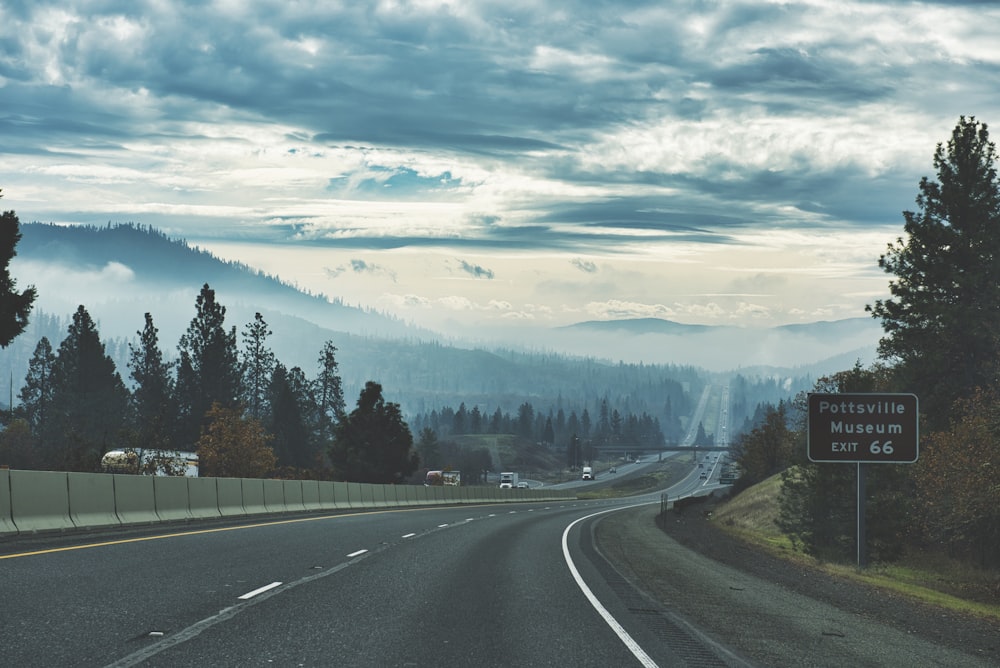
x,y
409,535
356,554
250,594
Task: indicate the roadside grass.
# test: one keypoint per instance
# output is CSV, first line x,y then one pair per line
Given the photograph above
x,y
654,480
931,578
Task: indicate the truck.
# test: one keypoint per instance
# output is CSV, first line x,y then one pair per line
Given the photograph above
x,y
443,479
147,461
508,480
588,473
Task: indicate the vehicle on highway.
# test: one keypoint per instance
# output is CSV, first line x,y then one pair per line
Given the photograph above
x,y
522,485
588,473
613,470
147,461
508,480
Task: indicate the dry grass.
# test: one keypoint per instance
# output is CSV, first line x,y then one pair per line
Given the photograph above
x,y
932,578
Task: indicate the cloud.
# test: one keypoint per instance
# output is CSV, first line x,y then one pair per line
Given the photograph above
x,y
361,267
585,266
475,270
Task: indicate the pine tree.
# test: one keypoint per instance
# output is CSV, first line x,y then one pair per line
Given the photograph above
x,y
89,402
258,364
942,323
153,400
329,393
36,396
209,370
15,307
373,443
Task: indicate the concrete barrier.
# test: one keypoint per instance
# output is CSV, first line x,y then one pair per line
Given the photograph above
x,y
354,497
230,493
203,498
327,495
310,495
91,500
274,495
253,496
6,517
341,495
39,501
135,501
170,496
293,495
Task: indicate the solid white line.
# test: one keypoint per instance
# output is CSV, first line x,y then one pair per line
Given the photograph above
x,y
619,630
251,594
409,535
356,554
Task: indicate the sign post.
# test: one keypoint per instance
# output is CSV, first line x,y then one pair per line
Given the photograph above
x,y
863,429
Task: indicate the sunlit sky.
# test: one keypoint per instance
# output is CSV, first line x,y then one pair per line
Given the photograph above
x,y
489,164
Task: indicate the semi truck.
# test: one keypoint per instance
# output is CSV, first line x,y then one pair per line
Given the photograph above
x,y
508,480
588,473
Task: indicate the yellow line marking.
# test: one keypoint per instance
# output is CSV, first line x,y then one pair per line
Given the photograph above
x,y
181,534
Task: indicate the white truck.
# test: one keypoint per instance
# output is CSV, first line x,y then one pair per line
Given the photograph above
x,y
588,473
508,480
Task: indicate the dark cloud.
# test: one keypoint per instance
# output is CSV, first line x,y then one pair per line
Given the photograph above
x,y
475,270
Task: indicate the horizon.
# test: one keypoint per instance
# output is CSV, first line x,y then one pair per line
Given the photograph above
x,y
492,169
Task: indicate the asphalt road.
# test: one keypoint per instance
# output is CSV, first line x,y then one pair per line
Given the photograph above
x,y
461,586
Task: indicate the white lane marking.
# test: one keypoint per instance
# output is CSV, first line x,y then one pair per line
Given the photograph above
x,y
409,535
250,594
619,630
441,526
356,554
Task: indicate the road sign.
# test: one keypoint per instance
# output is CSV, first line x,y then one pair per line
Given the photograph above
x,y
868,428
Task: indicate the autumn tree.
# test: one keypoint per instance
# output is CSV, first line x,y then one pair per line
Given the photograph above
x,y
89,399
373,444
767,449
15,307
942,323
956,480
233,446
208,371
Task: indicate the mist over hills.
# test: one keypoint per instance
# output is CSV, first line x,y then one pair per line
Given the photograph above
x,y
121,272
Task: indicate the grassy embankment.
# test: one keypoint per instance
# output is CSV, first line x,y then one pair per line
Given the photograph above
x,y
931,578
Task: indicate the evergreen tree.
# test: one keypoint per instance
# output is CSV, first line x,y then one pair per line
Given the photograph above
x,y
89,402
15,307
428,448
942,323
258,364
329,393
373,443
293,443
209,370
36,398
153,402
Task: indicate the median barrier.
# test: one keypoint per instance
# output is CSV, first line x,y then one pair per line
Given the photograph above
x,y
170,498
39,501
274,495
354,495
230,493
327,500
293,495
135,502
310,495
341,495
253,496
91,500
6,517
203,498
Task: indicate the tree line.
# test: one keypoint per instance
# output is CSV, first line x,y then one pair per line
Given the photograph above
x,y
941,342
241,409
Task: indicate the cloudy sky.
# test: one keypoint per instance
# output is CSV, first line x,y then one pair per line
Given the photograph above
x,y
503,162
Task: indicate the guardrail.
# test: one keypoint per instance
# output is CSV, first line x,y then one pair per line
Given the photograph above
x,y
34,501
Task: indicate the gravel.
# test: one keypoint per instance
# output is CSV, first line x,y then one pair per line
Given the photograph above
x,y
771,612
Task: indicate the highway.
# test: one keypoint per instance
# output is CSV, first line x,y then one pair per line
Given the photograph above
x,y
474,585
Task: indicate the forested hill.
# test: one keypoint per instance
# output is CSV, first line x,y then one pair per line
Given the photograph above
x,y
158,266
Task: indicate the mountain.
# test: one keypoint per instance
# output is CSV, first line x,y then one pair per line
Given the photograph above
x,y
121,272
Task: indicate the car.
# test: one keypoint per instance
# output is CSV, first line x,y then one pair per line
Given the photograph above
x,y
704,476
522,485
613,470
